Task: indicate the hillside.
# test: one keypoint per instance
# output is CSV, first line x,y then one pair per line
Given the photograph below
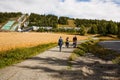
x,y
70,24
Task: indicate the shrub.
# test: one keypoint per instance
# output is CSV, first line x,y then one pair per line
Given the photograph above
x,y
82,30
79,52
117,60
82,48
72,57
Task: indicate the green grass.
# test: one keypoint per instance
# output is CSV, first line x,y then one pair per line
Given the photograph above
x,y
80,50
97,50
103,53
10,57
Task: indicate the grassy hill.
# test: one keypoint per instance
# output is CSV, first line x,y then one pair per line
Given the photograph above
x,y
70,24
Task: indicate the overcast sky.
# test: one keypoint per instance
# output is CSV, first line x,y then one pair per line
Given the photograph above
x,y
88,9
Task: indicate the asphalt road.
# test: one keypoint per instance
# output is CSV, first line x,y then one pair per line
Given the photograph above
x,y
113,45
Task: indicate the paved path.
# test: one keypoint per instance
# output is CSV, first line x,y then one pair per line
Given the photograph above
x,y
45,66
114,45
53,65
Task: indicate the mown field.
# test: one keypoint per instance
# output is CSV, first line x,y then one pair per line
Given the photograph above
x,y
12,40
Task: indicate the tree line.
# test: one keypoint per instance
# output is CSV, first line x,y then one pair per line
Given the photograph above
x,y
46,20
7,15
102,27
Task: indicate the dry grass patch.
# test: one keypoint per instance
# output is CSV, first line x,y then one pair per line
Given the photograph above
x,y
12,40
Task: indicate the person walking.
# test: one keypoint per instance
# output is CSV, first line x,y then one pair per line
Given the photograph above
x,y
67,42
60,43
74,42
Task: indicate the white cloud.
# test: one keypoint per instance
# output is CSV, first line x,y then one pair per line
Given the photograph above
x,y
37,6
94,9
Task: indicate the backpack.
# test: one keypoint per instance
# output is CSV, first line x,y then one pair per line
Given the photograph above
x,y
60,42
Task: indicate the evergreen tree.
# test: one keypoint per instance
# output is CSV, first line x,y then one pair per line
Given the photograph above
x,y
63,20
112,28
94,29
102,28
82,30
118,30
43,20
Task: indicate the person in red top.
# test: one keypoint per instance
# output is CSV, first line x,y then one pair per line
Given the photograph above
x,y
67,42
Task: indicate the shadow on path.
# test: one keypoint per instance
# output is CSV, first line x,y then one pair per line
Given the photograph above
x,y
80,70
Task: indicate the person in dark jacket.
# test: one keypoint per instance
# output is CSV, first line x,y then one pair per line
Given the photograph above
x,y
60,43
74,41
